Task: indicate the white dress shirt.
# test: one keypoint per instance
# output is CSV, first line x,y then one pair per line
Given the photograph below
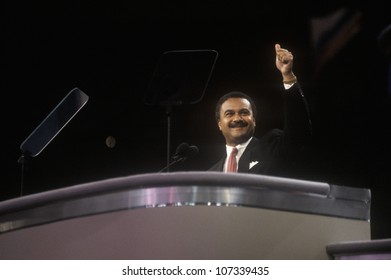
x,y
241,148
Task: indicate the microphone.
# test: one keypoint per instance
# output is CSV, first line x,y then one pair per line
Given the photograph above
x,y
192,151
183,152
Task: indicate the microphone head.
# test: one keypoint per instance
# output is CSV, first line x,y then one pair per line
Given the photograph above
x,y
181,151
192,151
182,148
184,151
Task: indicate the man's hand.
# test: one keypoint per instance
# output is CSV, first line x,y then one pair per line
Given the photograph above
x,y
284,63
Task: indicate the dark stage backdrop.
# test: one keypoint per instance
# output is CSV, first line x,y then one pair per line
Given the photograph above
x,y
110,49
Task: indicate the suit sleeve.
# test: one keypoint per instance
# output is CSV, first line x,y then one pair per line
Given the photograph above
x,y
297,122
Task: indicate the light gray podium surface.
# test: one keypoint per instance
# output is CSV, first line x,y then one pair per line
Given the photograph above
x,y
185,215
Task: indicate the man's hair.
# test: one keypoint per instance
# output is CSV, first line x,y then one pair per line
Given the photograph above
x,y
235,94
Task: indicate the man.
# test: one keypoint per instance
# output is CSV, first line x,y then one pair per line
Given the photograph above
x,y
274,153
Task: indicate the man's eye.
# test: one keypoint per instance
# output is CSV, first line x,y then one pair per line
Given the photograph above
x,y
245,112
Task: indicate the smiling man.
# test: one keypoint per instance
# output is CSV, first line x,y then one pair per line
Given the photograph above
x,y
275,152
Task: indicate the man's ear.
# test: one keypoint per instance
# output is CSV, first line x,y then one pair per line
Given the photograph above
x,y
219,124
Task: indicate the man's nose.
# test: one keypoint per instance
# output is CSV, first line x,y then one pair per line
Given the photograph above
x,y
237,116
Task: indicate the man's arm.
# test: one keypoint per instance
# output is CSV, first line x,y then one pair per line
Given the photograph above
x,y
297,122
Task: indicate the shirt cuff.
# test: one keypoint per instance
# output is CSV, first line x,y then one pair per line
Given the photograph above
x,y
288,86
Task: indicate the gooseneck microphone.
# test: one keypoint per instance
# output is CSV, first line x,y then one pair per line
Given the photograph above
x,y
180,152
183,152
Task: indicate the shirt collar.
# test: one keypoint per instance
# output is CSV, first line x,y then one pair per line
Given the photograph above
x,y
241,147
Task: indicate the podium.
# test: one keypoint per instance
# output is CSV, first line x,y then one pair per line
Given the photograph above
x,y
377,249
185,215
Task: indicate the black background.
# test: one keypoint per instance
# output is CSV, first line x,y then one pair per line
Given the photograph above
x,y
110,49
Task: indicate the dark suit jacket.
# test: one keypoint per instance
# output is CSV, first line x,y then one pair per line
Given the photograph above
x,y
276,151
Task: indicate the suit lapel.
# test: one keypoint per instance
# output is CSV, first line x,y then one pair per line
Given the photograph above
x,y
248,157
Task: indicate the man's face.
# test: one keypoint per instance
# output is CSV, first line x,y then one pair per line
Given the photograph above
x,y
236,122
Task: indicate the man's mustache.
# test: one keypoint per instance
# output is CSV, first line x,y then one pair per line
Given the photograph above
x,y
239,123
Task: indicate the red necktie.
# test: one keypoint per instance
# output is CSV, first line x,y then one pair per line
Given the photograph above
x,y
231,164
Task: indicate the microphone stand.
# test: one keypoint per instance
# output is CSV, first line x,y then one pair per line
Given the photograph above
x,y
168,113
167,167
183,152
22,161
